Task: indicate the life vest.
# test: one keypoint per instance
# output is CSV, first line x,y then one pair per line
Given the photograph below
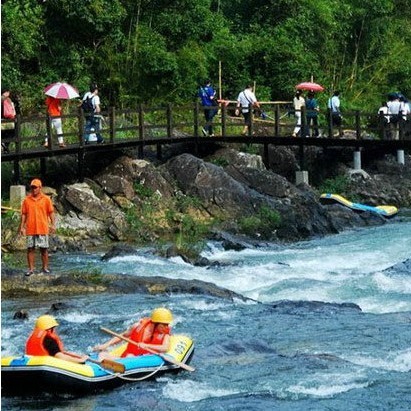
x,y
137,335
35,343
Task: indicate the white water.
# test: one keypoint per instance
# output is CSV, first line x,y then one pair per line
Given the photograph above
x,y
343,268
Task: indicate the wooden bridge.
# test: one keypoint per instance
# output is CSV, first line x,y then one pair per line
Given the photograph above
x,y
160,126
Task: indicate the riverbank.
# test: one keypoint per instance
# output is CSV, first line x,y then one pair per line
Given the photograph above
x,y
226,195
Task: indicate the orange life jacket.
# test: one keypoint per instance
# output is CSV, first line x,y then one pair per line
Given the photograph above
x,y
35,343
137,335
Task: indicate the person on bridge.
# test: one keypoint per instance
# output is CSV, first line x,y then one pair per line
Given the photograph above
x,y
8,113
298,103
209,102
92,112
334,113
247,101
54,111
151,333
313,108
37,221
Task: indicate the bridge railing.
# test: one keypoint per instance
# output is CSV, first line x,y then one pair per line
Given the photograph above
x,y
152,123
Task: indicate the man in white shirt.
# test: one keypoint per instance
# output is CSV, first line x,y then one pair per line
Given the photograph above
x,y
394,110
298,103
246,100
335,111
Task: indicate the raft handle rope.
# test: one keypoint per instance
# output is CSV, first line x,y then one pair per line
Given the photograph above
x,y
123,377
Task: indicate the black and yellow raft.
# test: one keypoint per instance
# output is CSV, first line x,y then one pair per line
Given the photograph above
x,y
37,374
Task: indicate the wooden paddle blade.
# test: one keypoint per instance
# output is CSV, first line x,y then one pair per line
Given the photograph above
x,y
110,365
173,361
113,365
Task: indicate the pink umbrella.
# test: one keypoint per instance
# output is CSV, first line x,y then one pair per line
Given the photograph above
x,y
61,90
310,86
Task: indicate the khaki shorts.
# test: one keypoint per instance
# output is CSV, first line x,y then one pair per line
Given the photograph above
x,y
40,241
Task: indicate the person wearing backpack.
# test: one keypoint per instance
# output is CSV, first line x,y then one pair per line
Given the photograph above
x,y
91,108
209,102
8,112
313,108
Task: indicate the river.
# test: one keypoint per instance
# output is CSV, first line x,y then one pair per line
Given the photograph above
x,y
302,345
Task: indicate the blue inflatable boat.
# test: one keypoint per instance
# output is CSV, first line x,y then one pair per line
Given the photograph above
x,y
383,210
38,374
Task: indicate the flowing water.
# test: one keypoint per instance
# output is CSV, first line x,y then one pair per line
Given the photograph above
x,y
301,345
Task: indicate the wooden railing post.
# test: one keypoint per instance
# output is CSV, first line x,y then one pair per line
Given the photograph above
x,y
400,126
169,121
48,128
223,119
17,134
277,121
357,125
251,126
304,131
381,125
141,131
80,122
112,122
196,119
330,123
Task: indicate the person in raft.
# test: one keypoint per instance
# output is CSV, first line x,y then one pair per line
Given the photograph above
x,y
45,341
151,332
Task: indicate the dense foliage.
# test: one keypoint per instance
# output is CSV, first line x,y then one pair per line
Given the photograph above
x,y
156,51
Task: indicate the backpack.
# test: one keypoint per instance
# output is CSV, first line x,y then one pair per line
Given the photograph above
x,y
311,105
8,109
87,105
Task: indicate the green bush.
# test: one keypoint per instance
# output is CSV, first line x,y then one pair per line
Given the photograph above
x,y
337,185
263,224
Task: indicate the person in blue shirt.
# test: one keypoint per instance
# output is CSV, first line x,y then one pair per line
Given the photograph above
x,y
312,109
209,102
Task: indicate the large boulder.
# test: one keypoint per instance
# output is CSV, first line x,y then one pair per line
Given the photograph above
x,y
219,192
83,200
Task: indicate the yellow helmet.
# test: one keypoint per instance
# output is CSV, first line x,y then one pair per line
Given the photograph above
x,y
161,315
45,322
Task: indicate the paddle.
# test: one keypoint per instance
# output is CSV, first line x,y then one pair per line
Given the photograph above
x,y
106,363
164,357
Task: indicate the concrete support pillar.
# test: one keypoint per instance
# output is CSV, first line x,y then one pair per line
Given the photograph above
x,y
301,177
357,160
400,157
17,195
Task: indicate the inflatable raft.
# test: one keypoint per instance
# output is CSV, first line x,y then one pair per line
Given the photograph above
x,y
37,374
384,210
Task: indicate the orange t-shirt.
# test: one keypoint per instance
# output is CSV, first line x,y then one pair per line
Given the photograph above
x,y
53,106
37,210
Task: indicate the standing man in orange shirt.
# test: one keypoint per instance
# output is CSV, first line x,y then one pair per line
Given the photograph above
x,y
37,221
54,111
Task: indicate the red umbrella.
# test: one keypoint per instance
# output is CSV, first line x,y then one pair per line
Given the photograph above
x,y
310,86
62,91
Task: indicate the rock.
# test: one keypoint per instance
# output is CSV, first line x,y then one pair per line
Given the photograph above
x,y
21,315
119,250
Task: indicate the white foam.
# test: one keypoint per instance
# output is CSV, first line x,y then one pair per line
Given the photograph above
x,y
138,259
395,361
325,390
192,391
400,285
328,385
